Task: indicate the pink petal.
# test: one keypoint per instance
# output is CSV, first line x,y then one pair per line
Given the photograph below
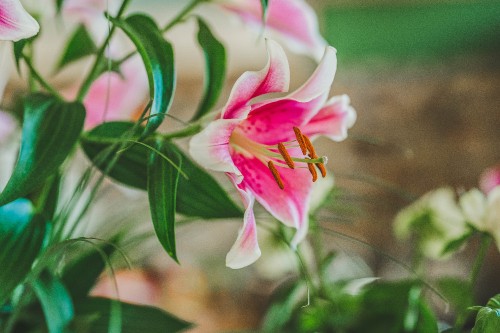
x,y
245,251
272,122
116,97
15,22
333,120
294,20
7,125
490,179
275,77
321,80
290,205
210,148
4,67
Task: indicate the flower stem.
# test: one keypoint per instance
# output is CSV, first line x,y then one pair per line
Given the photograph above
x,y
38,77
181,16
94,72
476,268
185,132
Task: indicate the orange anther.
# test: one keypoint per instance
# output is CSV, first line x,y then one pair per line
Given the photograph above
x,y
308,144
300,140
276,175
321,168
286,155
313,172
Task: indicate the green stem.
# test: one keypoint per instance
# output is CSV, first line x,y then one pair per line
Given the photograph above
x,y
185,132
478,264
180,17
36,75
96,67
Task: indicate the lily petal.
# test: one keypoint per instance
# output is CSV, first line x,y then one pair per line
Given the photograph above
x,y
290,205
245,251
15,22
210,147
274,77
294,20
333,120
273,121
321,80
116,97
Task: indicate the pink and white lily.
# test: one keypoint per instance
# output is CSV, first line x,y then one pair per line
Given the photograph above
x,y
259,144
293,20
490,179
15,22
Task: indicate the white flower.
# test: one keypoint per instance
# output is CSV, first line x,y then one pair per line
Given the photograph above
x,y
437,221
483,211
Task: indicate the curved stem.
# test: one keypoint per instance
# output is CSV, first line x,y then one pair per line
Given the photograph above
x,y
182,15
96,67
38,77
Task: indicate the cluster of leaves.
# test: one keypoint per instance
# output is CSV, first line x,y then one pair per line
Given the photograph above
x,y
35,291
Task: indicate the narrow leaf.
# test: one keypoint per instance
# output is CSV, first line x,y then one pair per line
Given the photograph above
x,y
50,130
56,302
135,318
158,57
21,236
79,46
198,194
163,178
215,68
81,275
264,4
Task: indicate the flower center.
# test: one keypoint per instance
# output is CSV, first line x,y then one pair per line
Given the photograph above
x,y
277,156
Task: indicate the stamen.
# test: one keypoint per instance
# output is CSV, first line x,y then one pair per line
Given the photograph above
x,y
309,146
322,169
300,140
313,172
286,156
276,175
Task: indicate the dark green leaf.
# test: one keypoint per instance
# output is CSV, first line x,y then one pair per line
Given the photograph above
x,y
50,130
80,276
158,57
163,178
457,292
104,141
21,236
198,195
79,46
59,4
55,300
134,318
215,68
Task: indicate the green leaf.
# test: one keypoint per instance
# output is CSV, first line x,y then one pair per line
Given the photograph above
x,y
59,4
197,195
21,236
79,46
488,317
55,300
134,318
457,292
158,57
81,275
51,128
264,4
215,68
163,178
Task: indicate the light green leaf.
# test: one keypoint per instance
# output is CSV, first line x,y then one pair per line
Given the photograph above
x,y
79,46
50,129
488,317
158,57
163,178
264,4
215,68
21,236
56,302
198,194
134,318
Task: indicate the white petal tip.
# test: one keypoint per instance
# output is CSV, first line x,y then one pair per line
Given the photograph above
x,y
238,259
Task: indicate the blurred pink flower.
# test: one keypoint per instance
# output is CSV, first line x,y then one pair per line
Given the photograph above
x,y
15,22
255,144
293,20
490,179
116,96
7,125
